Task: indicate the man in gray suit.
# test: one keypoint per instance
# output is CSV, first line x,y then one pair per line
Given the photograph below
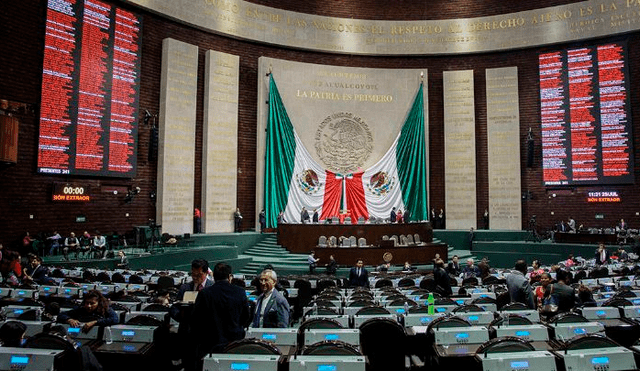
x,y
519,287
272,308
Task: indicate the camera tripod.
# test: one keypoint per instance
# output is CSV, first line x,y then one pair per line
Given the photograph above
x,y
533,233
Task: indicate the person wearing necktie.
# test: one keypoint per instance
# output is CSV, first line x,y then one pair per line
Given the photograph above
x,y
358,275
602,255
272,308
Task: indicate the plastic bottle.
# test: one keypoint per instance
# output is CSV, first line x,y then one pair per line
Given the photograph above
x,y
406,308
38,314
107,335
315,309
431,308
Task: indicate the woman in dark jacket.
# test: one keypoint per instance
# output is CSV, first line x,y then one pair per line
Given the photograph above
x,y
93,311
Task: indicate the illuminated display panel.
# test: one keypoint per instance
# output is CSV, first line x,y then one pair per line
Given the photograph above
x,y
90,90
585,116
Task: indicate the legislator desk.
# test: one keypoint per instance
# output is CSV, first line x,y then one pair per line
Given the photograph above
x,y
585,238
302,238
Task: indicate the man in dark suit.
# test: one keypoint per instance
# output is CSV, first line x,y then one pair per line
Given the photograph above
x,y
453,268
358,275
272,308
182,312
392,215
220,314
601,255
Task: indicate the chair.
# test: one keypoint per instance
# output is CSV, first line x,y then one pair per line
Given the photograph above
x,y
347,220
590,341
406,282
144,320
322,241
361,220
353,240
410,239
416,238
70,359
568,317
251,346
345,242
467,308
372,309
335,220
324,283
394,238
514,306
513,319
404,241
385,238
383,355
505,344
321,311
402,301
362,242
316,323
384,282
165,282
103,276
331,348
333,241
135,279
117,278
470,281
155,308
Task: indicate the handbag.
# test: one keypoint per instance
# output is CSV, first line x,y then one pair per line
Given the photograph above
x,y
550,302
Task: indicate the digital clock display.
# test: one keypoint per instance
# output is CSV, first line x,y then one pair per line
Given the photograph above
x,y
70,192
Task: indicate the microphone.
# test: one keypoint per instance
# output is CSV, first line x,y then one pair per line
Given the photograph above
x,y
147,114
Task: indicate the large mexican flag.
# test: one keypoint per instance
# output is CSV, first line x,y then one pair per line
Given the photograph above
x,y
294,180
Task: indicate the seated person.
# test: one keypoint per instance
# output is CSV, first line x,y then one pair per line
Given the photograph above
x,y
36,272
85,244
71,244
94,311
407,267
99,245
12,334
383,267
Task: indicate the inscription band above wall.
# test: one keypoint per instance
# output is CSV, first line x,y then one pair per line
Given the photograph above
x,y
544,26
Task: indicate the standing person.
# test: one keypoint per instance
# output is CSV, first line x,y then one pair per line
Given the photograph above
x,y
197,220
182,314
519,287
220,314
262,219
311,259
399,219
304,216
392,215
470,237
281,218
572,225
26,243
316,217
237,221
432,214
272,308
485,219
55,243
332,266
566,294
602,255
441,279
358,275
443,219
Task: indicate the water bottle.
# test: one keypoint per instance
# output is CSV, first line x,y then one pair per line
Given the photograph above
x,y
107,335
431,304
38,314
406,308
315,309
